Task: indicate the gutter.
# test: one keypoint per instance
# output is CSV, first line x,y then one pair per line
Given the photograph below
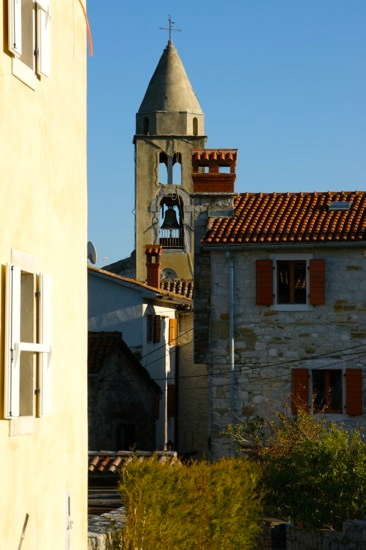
x,y
287,246
231,336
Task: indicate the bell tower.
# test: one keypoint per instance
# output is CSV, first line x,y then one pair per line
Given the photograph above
x,y
169,125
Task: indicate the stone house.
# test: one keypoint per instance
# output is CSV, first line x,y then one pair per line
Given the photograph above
x,y
43,301
280,300
123,400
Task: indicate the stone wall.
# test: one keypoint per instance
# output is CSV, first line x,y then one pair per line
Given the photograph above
x,y
353,537
192,394
104,532
269,343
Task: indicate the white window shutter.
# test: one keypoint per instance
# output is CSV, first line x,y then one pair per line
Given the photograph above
x,y
45,332
15,26
43,38
12,339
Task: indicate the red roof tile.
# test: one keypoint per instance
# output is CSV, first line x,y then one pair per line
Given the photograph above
x,y
164,291
108,462
291,218
183,287
100,345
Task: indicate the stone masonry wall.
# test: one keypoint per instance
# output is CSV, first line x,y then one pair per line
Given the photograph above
x,y
269,343
192,394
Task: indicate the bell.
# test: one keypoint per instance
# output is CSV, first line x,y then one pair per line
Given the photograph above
x,y
170,219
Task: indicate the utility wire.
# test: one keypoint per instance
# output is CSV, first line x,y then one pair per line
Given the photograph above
x,y
359,355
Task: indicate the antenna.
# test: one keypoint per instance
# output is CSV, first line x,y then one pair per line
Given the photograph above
x,y
92,253
170,27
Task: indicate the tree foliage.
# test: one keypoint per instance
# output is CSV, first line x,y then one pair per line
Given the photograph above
x,y
314,472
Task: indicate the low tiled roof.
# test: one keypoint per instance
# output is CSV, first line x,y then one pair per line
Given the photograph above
x,y
108,462
272,218
100,345
183,287
185,296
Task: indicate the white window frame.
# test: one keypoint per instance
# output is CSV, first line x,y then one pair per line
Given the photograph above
x,y
291,257
14,346
41,41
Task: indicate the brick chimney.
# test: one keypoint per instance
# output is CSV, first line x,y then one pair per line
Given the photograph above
x,y
214,170
153,265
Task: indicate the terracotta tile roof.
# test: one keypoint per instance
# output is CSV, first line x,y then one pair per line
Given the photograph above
x,y
184,296
153,249
108,462
291,218
214,154
100,345
183,287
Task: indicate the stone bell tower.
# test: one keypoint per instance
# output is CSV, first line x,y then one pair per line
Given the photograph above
x,y
169,125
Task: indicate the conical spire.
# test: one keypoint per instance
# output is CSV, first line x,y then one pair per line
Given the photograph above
x,y
170,89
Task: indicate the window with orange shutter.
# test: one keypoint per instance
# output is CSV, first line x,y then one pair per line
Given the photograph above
x,y
328,388
287,281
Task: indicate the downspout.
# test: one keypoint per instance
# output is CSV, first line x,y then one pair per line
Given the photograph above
x,y
176,412
231,337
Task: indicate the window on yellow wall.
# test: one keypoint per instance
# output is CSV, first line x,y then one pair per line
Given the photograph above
x,y
27,343
29,39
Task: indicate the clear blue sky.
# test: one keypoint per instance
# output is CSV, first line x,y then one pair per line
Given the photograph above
x,y
283,81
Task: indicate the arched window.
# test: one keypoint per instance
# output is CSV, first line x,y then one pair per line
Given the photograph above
x,y
168,273
177,169
171,222
170,169
163,168
195,126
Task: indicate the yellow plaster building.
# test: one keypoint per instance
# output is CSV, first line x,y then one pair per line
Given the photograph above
x,y
43,300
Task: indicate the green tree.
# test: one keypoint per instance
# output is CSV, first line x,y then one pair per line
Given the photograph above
x,y
314,472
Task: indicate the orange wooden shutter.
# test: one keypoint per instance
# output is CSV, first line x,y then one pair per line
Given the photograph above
x,y
300,389
173,332
317,280
264,282
354,392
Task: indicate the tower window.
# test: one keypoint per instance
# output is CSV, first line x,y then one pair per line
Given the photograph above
x,y
146,125
177,169
170,169
171,222
195,126
163,169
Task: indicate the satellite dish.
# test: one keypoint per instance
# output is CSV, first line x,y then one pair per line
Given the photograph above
x,y
92,253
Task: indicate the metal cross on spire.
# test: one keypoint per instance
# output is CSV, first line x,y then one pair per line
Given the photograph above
x,y
170,28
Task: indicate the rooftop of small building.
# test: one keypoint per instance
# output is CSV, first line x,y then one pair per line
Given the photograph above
x,y
178,291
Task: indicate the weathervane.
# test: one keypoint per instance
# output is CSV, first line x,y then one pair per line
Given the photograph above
x,y
170,28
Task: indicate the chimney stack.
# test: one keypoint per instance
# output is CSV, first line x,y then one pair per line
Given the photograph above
x,y
153,265
214,170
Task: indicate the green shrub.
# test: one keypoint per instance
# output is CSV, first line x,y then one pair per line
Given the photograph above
x,y
199,506
314,473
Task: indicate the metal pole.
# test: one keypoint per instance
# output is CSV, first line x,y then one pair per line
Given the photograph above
x,y
231,337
